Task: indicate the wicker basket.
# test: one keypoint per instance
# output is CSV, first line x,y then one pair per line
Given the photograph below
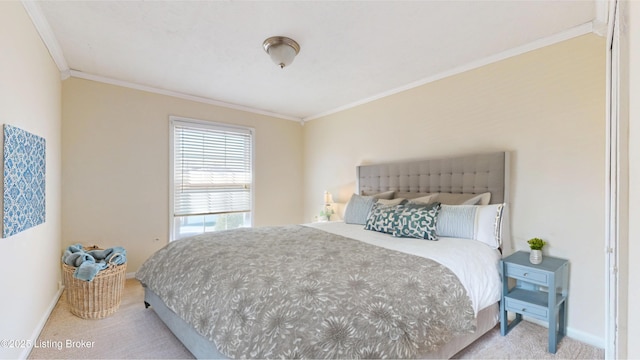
x,y
98,298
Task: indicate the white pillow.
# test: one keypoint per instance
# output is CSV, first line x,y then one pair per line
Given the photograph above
x,y
489,224
477,222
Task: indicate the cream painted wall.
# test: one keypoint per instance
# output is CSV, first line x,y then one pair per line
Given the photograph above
x,y
30,98
632,287
116,165
547,107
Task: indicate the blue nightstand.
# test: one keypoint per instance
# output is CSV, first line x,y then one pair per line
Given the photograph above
x,y
540,292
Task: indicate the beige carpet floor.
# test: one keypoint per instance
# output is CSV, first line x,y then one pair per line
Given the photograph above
x,y
134,332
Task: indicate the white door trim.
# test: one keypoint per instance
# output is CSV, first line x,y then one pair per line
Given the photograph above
x,y
614,155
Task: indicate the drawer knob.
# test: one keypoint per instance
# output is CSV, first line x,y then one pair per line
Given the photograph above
x,y
524,309
525,274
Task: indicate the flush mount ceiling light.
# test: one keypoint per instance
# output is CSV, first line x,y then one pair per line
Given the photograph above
x,y
281,49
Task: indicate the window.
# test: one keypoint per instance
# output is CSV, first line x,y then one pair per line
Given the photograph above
x,y
211,177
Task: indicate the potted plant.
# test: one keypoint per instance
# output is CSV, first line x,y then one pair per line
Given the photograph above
x,y
325,215
536,244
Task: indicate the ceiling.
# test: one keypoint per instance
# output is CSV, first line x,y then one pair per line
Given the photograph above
x,y
351,51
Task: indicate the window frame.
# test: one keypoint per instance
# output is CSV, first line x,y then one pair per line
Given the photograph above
x,y
173,120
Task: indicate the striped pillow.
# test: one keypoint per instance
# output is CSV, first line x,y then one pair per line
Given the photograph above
x,y
358,209
477,222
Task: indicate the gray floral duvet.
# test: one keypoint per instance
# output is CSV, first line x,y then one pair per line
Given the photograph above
x,y
299,292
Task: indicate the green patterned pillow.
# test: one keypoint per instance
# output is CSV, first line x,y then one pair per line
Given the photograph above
x,y
417,221
382,218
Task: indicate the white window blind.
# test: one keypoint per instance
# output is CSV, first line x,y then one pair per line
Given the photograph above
x,y
212,169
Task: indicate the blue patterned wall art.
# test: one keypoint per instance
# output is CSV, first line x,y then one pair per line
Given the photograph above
x,y
24,180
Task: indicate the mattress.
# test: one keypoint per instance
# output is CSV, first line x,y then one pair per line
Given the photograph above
x,y
475,263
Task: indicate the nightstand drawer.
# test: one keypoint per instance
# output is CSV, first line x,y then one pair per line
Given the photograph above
x,y
525,308
526,274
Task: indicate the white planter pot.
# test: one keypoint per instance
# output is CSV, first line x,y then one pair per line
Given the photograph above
x,y
535,257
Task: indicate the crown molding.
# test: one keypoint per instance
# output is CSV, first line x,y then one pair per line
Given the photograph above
x,y
55,50
550,40
597,26
48,38
601,20
179,95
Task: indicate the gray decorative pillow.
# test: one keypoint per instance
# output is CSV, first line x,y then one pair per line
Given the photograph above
x,y
392,202
410,195
417,221
463,199
382,218
358,209
379,195
427,199
480,199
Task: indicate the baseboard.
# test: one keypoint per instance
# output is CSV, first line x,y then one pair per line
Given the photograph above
x,y
586,338
43,321
130,275
571,332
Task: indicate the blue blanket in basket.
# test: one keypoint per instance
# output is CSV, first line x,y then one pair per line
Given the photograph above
x,y
89,263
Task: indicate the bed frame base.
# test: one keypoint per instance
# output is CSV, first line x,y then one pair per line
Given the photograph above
x,y
197,344
202,348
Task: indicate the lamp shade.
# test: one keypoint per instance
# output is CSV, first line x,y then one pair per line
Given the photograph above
x,y
328,199
282,50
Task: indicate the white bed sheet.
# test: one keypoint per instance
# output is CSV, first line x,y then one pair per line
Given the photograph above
x,y
475,263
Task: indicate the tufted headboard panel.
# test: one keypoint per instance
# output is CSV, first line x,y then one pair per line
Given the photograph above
x,y
474,174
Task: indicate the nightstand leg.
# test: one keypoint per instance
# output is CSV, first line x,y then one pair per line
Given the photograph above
x,y
553,335
503,319
563,320
504,326
516,320
553,314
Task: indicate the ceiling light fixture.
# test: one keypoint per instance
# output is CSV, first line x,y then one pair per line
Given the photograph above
x,y
281,49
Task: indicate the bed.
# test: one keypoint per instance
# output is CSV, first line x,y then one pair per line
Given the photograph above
x,y
371,286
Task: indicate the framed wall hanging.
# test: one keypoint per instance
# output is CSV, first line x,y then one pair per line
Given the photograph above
x,y
24,161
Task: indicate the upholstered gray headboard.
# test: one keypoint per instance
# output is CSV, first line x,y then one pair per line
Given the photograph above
x,y
474,174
